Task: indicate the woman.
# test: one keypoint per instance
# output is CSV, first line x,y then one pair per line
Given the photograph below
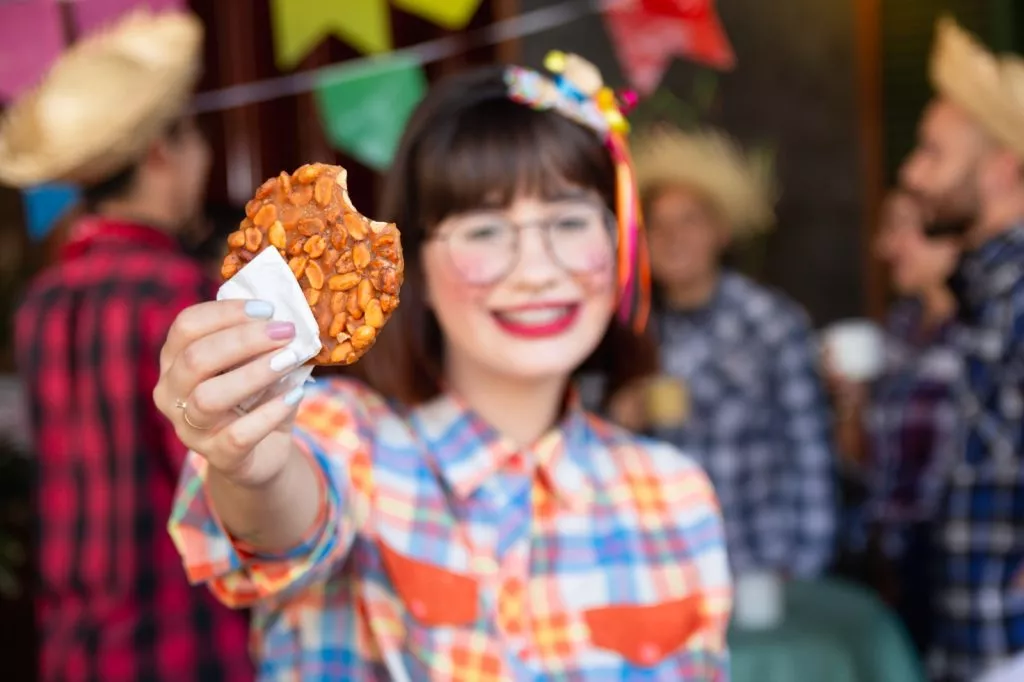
x,y
457,516
907,419
752,406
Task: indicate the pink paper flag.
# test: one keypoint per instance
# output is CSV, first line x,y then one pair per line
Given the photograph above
x,y
31,38
649,34
95,14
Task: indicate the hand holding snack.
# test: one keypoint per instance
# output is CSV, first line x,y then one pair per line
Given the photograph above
x,y
350,268
219,355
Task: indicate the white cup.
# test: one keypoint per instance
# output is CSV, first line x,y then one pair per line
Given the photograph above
x,y
759,600
856,349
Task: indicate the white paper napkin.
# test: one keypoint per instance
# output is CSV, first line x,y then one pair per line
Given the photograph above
x,y
267,277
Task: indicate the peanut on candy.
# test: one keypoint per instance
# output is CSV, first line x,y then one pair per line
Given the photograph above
x,y
350,268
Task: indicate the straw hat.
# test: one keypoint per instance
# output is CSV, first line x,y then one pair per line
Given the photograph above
x,y
989,87
104,101
741,186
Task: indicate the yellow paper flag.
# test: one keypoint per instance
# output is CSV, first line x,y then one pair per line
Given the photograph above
x,y
300,25
450,14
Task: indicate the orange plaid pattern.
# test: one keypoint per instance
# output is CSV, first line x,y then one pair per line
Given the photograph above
x,y
448,554
511,609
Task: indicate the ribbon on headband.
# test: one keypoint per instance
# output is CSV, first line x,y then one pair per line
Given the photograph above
x,y
577,91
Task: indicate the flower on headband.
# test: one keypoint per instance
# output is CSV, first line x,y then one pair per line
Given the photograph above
x,y
577,92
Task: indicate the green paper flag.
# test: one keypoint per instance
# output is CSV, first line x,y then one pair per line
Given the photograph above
x,y
364,107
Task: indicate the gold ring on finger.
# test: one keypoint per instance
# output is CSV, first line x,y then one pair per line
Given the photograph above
x,y
183,406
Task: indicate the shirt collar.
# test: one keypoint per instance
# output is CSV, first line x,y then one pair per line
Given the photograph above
x,y
989,271
467,451
95,230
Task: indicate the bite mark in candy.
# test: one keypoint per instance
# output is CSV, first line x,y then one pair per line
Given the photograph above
x,y
350,268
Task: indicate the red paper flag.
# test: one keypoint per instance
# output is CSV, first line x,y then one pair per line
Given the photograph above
x,y
648,34
31,38
91,15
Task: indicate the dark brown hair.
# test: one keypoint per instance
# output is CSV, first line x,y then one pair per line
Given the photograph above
x,y
468,146
122,183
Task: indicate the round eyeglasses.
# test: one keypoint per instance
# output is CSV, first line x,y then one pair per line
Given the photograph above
x,y
485,247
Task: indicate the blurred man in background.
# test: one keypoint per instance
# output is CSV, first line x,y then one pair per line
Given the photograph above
x,y
113,603
740,389
968,169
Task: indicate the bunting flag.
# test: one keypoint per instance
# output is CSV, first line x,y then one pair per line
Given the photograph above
x,y
45,205
364,108
453,15
648,34
300,25
92,15
31,38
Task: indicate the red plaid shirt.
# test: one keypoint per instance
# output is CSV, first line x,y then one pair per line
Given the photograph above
x,y
113,603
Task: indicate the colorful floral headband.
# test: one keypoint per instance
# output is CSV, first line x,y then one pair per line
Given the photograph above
x,y
578,93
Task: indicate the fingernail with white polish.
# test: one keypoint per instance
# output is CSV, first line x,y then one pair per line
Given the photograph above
x,y
294,396
286,359
259,310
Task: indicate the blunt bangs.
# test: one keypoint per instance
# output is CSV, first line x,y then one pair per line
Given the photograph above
x,y
497,150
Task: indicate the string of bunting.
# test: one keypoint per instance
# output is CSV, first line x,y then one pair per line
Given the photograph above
x,y
365,103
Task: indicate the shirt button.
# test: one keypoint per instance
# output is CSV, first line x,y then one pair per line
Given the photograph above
x,y
484,565
418,608
649,653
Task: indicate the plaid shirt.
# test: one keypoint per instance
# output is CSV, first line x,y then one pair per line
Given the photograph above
x,y
113,604
446,553
981,533
759,423
913,426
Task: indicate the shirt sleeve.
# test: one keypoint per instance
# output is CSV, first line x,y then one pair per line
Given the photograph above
x,y
994,399
331,432
806,429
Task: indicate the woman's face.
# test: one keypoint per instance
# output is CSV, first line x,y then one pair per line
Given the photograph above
x,y
686,239
916,263
524,292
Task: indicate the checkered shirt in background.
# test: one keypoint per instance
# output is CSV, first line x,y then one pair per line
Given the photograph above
x,y
980,601
759,424
446,553
112,602
913,425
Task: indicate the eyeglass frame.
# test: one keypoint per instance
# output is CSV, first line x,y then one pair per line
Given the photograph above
x,y
610,220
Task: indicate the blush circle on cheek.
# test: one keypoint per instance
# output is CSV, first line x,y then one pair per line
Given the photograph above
x,y
596,258
599,282
473,272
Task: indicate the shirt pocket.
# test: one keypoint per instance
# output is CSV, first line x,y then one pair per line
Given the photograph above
x,y
434,596
645,635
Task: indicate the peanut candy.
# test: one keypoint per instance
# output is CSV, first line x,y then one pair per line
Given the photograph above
x,y
350,268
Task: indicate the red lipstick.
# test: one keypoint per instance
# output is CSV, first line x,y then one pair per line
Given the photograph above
x,y
537,321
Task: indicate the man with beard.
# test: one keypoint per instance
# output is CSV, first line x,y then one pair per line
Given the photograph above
x,y
968,169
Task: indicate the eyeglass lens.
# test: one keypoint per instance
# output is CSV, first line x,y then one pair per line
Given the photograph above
x,y
484,248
